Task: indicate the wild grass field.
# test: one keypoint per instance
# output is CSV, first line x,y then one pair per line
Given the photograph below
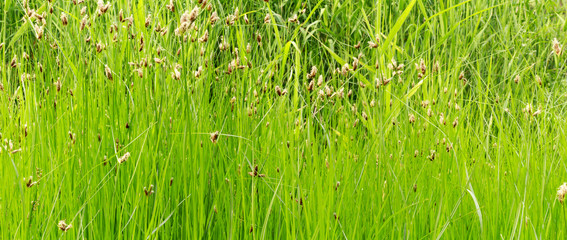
x,y
257,119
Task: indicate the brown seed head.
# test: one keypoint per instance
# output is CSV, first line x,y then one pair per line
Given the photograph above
x,y
214,136
63,226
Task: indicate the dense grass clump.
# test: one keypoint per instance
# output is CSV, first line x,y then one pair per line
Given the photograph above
x,y
315,119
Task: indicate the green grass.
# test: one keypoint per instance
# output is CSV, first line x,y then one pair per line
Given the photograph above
x,y
339,159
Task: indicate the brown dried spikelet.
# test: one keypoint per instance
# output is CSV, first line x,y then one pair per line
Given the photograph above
x,y
214,18
538,80
171,5
357,46
149,191
107,72
102,7
279,91
199,72
175,74
431,156
58,84
372,44
139,72
124,158
435,66
345,69
99,47
293,19
30,182
320,80
148,20
364,116
14,62
246,19
442,119
255,173
64,19
84,22
205,37
63,226
313,73
259,39
561,192
214,136
556,47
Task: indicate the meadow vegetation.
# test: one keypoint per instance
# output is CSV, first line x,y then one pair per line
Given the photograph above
x,y
312,119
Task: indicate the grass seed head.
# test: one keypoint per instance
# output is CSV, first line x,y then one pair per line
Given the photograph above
x,y
259,39
372,44
214,136
199,72
556,46
29,182
279,91
435,67
149,191
214,18
311,85
293,19
63,226
528,109
99,47
171,6
431,156
175,74
148,20
345,69
357,46
194,14
102,7
124,158
355,64
58,84
561,192
14,62
313,73
246,20
107,72
38,31
84,22
231,20
205,37
421,68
